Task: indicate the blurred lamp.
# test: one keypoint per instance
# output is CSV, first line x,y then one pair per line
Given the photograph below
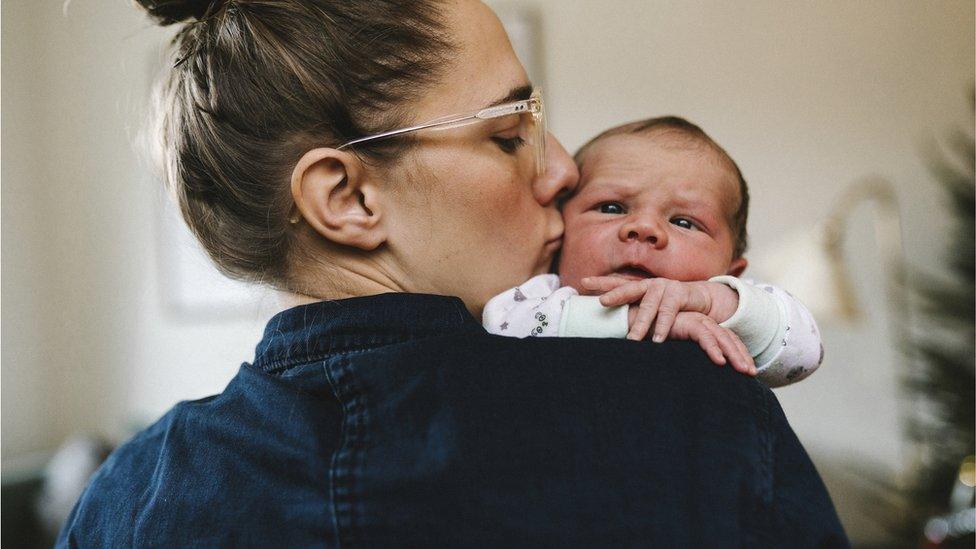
x,y
811,263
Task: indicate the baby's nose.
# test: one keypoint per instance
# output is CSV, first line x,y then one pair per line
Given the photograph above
x,y
638,229
634,235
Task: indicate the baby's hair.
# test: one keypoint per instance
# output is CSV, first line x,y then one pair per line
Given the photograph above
x,y
677,127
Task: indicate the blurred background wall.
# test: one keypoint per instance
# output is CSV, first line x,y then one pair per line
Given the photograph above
x,y
806,96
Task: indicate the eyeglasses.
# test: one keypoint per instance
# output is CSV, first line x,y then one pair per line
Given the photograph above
x,y
532,125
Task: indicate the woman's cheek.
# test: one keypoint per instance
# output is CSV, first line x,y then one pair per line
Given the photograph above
x,y
491,211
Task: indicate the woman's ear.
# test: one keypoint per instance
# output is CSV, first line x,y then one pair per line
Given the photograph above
x,y
337,199
737,266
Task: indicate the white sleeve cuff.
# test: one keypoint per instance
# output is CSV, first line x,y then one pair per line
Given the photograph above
x,y
758,320
584,316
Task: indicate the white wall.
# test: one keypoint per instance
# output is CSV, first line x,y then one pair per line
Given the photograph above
x,y
87,344
807,96
26,413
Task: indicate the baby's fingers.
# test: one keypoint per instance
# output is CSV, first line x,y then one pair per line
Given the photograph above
x,y
750,361
645,315
630,292
708,341
601,284
741,360
667,310
678,297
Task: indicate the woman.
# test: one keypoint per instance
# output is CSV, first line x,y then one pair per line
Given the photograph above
x,y
372,158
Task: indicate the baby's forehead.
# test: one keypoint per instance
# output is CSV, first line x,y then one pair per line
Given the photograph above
x,y
641,160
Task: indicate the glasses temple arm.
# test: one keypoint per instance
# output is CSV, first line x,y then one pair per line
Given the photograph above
x,y
401,131
483,114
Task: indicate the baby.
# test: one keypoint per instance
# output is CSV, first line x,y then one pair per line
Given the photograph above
x,y
658,226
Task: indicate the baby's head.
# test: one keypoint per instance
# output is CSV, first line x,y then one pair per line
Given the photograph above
x,y
656,198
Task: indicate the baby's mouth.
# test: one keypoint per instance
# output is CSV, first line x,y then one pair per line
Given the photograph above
x,y
633,272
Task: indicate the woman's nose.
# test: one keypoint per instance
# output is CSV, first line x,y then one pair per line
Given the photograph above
x,y
641,229
561,174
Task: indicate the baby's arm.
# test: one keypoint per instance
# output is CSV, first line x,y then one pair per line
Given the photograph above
x,y
678,310
541,308
778,331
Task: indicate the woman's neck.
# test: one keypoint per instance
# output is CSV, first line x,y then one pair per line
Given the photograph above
x,y
287,299
339,280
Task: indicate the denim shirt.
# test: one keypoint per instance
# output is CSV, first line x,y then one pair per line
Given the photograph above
x,y
396,420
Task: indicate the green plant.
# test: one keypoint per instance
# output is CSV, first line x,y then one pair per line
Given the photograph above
x,y
943,385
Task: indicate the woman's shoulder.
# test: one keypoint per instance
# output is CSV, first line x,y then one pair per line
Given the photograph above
x,y
674,371
212,462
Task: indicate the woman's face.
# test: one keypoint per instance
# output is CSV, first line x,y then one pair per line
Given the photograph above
x,y
471,218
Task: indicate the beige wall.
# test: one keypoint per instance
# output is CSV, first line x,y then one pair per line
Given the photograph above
x,y
87,345
807,96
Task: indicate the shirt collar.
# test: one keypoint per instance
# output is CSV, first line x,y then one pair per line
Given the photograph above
x,y
311,332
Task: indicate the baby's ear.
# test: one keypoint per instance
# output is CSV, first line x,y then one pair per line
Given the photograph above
x,y
737,266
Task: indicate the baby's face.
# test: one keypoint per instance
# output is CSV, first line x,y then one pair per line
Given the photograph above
x,y
650,206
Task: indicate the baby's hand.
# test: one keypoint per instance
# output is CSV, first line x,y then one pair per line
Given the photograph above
x,y
720,344
661,300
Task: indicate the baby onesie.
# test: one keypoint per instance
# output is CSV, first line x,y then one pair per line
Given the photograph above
x,y
778,330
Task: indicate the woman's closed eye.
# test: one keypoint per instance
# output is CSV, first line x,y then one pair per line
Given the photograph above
x,y
509,144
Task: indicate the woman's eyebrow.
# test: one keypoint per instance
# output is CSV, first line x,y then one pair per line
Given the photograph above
x,y
517,93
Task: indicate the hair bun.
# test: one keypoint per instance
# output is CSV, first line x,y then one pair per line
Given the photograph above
x,y
168,12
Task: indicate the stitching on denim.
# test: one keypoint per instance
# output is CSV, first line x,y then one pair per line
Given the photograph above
x,y
754,530
277,365
348,462
283,363
319,358
333,473
765,501
362,442
765,422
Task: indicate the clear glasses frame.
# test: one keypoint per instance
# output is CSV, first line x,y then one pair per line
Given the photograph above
x,y
532,110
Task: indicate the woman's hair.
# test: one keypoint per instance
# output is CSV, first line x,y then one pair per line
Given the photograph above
x,y
257,83
677,127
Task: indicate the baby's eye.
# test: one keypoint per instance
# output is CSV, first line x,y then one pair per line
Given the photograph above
x,y
612,208
684,223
